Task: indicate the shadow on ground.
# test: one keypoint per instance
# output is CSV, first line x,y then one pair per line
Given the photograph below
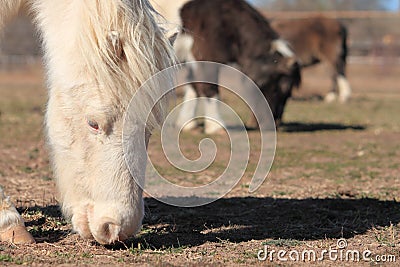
x,y
44,227
314,127
245,219
308,98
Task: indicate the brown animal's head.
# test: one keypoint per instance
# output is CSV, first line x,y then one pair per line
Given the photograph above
x,y
276,73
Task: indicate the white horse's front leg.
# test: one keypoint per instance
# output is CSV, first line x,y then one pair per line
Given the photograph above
x,y
12,227
188,110
344,89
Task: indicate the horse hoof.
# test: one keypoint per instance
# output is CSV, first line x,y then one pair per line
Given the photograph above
x,y
189,126
344,98
17,235
211,127
218,131
330,97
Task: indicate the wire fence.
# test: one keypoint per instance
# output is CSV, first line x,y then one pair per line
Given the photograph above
x,y
371,33
15,62
374,37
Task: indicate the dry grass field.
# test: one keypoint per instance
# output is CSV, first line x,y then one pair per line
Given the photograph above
x,y
336,175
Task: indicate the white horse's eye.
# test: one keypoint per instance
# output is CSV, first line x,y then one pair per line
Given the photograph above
x,y
93,125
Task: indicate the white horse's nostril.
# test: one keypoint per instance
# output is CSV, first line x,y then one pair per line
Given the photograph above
x,y
107,231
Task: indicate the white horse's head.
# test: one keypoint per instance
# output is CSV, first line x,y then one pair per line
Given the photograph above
x,y
98,54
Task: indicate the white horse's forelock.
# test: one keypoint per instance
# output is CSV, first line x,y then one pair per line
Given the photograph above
x,y
144,51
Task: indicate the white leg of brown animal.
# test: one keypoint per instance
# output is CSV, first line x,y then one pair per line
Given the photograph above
x,y
341,91
183,49
333,93
213,122
344,88
12,227
188,110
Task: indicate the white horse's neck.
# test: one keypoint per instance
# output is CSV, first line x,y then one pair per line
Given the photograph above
x,y
61,35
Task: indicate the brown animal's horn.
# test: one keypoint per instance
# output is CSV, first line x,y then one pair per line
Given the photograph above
x,y
282,47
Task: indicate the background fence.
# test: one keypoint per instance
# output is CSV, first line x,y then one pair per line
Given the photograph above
x,y
19,45
373,34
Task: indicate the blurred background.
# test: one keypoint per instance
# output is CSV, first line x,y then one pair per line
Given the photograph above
x,y
372,24
374,41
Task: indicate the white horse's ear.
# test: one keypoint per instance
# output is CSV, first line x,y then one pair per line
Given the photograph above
x,y
172,38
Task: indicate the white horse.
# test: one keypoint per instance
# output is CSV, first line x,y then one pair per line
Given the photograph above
x,y
97,54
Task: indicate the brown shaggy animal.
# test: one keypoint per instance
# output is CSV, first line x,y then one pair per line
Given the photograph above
x,y
231,31
319,39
